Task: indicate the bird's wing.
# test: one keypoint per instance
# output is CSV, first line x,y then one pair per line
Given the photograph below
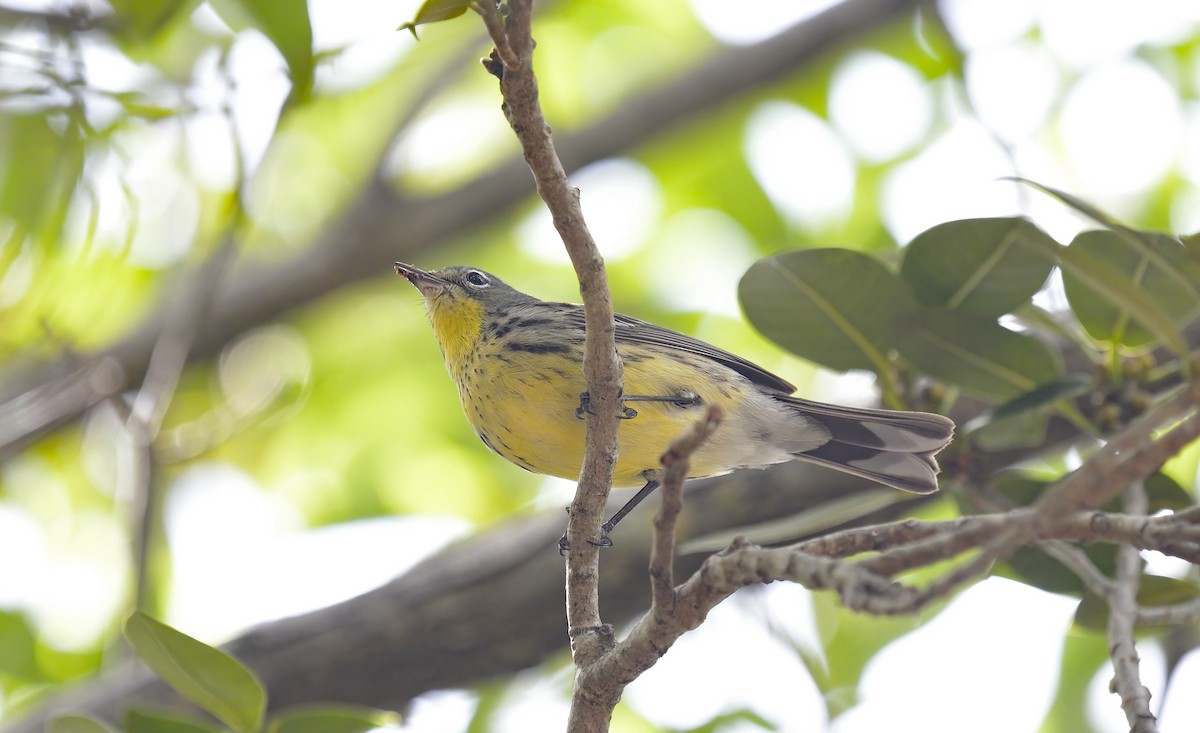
x,y
633,331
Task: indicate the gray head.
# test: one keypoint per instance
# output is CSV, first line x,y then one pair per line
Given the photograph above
x,y
459,291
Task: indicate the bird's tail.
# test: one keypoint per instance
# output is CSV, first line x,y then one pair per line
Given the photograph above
x,y
893,448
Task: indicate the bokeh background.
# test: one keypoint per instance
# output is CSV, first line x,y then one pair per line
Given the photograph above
x,y
314,448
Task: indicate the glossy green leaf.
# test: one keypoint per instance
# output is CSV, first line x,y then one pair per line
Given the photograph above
x,y
209,677
831,306
985,266
332,719
287,25
161,721
435,11
76,724
974,352
1106,315
1153,590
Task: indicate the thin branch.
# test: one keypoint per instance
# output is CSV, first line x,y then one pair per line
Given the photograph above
x,y
1123,612
662,546
590,638
1077,561
1177,613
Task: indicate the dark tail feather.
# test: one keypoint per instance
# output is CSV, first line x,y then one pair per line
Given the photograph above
x,y
894,448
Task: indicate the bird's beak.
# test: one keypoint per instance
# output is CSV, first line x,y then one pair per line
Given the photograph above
x,y
428,283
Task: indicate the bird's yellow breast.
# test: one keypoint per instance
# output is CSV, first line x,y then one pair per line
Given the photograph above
x,y
523,405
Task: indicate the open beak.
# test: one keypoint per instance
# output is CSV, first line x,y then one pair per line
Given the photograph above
x,y
428,283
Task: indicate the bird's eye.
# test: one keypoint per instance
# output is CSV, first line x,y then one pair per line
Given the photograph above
x,y
478,279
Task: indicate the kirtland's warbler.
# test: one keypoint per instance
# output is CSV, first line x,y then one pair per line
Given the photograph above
x,y
518,360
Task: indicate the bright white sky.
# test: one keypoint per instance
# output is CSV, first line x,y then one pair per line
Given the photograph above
x,y
1121,129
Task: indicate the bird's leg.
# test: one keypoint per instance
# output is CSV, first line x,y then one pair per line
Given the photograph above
x,y
687,399
604,541
647,490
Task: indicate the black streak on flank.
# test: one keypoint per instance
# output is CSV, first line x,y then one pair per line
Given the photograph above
x,y
538,348
528,322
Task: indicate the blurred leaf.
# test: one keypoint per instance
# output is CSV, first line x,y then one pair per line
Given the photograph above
x,y
831,306
287,25
17,644
435,11
332,719
1082,656
209,677
76,724
1023,430
749,719
984,266
1034,567
1191,243
161,721
974,352
1061,325
1153,590
40,168
1020,489
1166,493
1021,422
1106,314
850,640
142,18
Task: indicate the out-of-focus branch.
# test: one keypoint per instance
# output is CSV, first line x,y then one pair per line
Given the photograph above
x,y
1128,457
381,226
1122,616
80,17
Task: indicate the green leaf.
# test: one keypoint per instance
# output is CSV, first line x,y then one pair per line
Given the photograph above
x,y
17,644
161,721
41,167
143,18
209,677
1165,493
435,11
985,266
287,25
1107,315
974,352
1034,567
1139,240
831,306
1021,421
332,719
1153,590
1018,488
76,724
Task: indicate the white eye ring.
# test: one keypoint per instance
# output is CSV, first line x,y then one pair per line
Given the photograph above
x,y
477,278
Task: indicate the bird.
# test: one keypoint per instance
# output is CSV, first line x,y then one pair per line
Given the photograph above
x,y
517,361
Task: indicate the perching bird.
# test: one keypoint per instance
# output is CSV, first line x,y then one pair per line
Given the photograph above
x,y
518,360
